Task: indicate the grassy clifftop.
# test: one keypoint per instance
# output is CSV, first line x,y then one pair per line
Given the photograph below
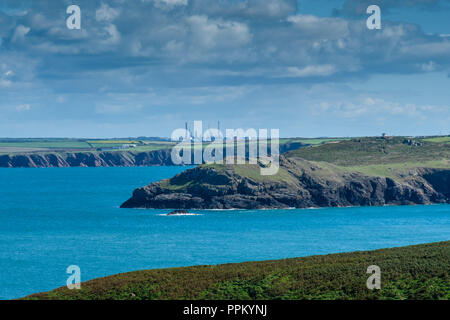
x,y
377,151
396,157
415,272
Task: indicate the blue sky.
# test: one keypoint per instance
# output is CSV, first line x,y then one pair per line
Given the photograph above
x,y
144,67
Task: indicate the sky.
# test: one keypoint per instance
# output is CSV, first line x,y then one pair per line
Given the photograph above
x,y
310,68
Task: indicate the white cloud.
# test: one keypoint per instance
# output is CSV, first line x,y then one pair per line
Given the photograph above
x,y
116,109
112,35
377,108
170,3
23,107
249,9
106,13
19,33
210,33
369,101
428,67
5,83
224,39
319,28
312,71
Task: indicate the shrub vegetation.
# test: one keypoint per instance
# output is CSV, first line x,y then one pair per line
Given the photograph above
x,y
414,272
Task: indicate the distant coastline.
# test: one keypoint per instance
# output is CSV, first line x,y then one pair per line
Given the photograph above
x,y
86,159
127,156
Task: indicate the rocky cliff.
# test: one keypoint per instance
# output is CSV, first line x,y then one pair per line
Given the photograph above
x,y
299,184
102,159
87,159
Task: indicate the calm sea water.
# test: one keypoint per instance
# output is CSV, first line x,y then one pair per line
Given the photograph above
x,y
53,218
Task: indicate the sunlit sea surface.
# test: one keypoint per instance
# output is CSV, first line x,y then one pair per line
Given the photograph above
x,y
55,217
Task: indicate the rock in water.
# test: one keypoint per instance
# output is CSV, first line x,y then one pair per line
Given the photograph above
x,y
178,212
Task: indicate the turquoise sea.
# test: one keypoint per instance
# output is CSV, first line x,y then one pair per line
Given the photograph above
x,y
55,217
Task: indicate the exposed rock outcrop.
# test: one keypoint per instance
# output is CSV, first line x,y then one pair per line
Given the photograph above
x,y
299,184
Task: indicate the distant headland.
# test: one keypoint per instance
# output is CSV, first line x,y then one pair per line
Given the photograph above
x,y
358,172
124,152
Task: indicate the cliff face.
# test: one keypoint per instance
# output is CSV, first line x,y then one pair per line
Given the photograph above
x,y
299,184
87,159
102,159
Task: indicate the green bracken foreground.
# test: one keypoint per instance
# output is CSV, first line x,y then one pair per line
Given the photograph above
x,y
415,272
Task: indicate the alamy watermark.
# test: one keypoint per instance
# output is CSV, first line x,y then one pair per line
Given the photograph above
x,y
74,280
73,22
374,21
237,146
374,281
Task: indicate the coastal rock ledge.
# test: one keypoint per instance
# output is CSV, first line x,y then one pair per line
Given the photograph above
x,y
299,184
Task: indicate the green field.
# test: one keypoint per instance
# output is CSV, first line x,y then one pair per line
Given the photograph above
x,y
46,144
375,151
20,146
153,147
393,170
438,139
312,141
415,272
394,158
